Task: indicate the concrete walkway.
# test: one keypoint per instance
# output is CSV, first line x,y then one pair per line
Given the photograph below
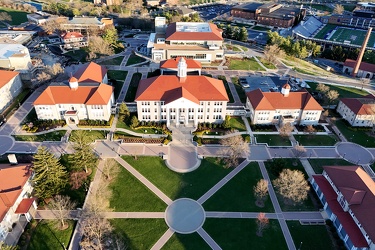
x,y
276,205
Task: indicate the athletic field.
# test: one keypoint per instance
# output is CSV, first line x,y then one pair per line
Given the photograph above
x,y
345,35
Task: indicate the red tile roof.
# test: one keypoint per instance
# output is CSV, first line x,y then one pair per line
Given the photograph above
x,y
6,76
89,95
213,35
24,206
172,63
364,65
275,100
91,72
345,218
13,178
361,106
355,178
169,88
71,35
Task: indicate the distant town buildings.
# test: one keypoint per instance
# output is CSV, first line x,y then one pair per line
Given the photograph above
x,y
348,197
181,99
10,87
277,108
14,201
199,41
358,112
86,96
270,14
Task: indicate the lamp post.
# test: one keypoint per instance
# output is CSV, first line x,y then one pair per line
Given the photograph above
x,y
300,245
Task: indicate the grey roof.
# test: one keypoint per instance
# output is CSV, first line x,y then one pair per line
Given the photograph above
x,y
85,20
308,27
250,7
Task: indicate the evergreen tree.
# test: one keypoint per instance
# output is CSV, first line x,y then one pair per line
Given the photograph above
x,y
134,122
83,157
243,35
50,176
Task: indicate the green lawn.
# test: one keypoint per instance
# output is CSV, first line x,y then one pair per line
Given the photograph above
x,y
230,96
348,7
312,237
132,90
236,122
93,134
186,241
268,65
306,205
317,140
47,237
78,55
344,92
360,137
237,195
51,136
240,91
130,195
113,61
317,164
134,59
139,233
241,234
321,7
175,185
18,16
273,140
121,124
244,64
117,74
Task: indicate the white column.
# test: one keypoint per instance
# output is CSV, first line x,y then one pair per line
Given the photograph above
x,y
195,117
177,114
168,118
186,116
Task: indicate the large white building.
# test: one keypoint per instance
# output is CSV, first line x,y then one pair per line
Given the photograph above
x,y
86,96
358,112
10,87
14,201
15,56
181,99
275,107
199,41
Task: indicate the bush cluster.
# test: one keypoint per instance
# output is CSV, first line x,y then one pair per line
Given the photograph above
x,y
96,123
302,128
41,125
263,128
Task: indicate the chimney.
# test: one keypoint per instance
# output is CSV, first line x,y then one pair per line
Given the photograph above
x,y
182,69
285,90
360,55
73,83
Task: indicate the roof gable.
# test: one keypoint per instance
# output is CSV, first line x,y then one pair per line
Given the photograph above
x,y
173,63
363,66
6,76
360,106
91,72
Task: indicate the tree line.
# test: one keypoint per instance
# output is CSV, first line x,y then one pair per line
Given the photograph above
x,y
234,32
300,48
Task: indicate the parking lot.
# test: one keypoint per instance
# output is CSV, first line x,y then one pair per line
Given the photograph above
x,y
209,12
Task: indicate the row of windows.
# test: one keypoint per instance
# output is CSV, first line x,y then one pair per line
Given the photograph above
x,y
173,117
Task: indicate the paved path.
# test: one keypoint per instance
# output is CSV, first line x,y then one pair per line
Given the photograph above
x,y
207,238
145,182
163,239
276,205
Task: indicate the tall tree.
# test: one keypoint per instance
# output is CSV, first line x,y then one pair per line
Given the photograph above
x,y
50,176
322,88
339,9
332,95
99,46
235,147
110,36
286,129
123,109
83,157
272,53
262,223
243,35
60,206
292,185
261,192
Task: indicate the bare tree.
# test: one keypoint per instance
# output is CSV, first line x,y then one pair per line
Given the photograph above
x,y
299,151
5,17
339,9
77,179
60,206
332,95
286,129
55,69
262,223
110,169
43,76
291,184
272,53
100,47
261,192
235,147
310,130
322,88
